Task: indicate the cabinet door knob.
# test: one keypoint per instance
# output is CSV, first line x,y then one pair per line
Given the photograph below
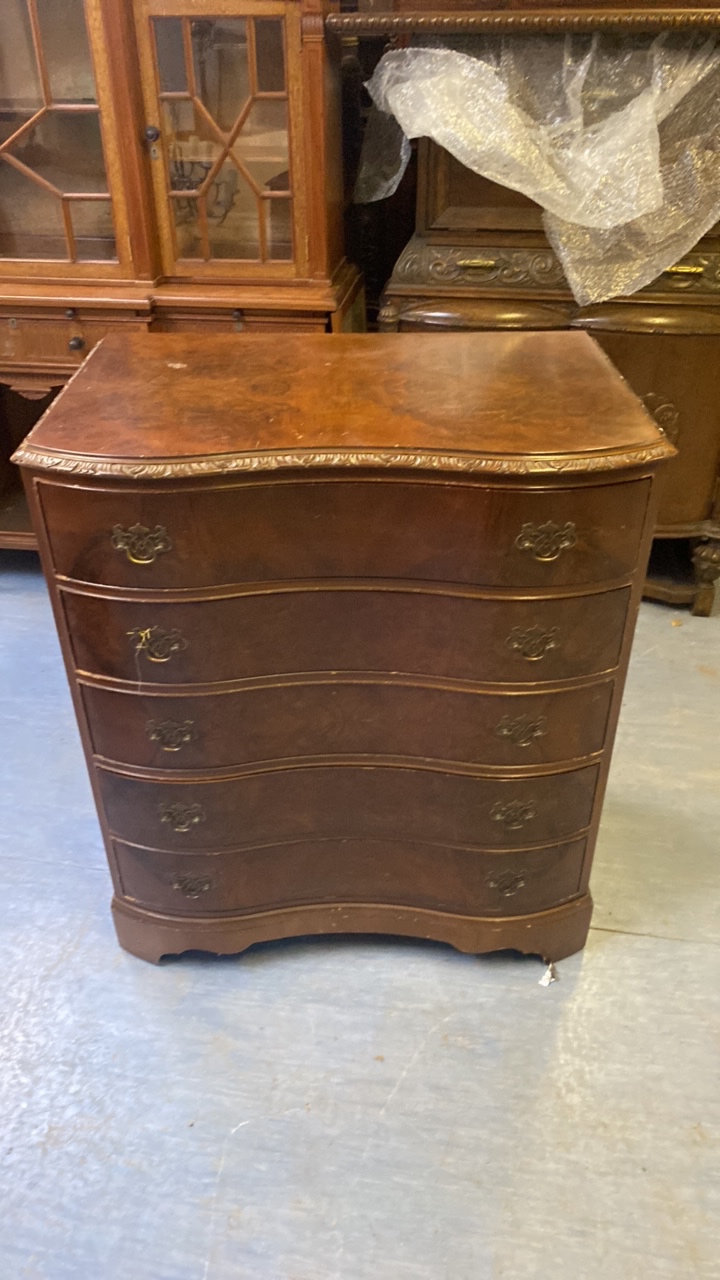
x,y
77,344
71,314
152,133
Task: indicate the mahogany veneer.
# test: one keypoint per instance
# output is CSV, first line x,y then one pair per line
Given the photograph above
x,y
347,622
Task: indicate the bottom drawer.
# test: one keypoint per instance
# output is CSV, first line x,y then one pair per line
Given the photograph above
x,y
467,881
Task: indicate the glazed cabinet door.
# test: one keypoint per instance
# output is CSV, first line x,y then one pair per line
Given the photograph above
x,y
62,197
224,119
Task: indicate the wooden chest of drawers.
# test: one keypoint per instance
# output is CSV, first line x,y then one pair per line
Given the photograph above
x,y
346,621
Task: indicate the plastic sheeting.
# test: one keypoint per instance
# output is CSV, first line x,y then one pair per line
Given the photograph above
x,y
617,139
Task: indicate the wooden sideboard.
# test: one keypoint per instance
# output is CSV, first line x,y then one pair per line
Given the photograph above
x,y
347,622
164,166
479,259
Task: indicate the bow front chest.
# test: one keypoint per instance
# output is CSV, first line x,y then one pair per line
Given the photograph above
x,y
346,621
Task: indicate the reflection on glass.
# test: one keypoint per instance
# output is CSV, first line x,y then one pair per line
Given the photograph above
x,y
187,228
222,77
193,147
66,50
170,55
31,222
92,223
263,143
270,54
66,150
280,240
50,142
19,80
227,136
11,121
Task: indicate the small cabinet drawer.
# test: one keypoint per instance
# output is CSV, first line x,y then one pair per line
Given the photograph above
x,y
346,630
388,528
65,340
292,720
467,881
343,801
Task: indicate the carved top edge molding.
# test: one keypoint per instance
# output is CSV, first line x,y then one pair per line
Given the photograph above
x,y
561,21
227,464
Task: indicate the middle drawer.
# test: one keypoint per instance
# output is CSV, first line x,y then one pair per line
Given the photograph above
x,y
292,720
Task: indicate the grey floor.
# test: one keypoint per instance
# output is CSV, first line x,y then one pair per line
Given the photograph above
x,y
355,1109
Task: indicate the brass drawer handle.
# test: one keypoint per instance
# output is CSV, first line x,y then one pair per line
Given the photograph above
x,y
141,545
158,645
193,886
523,730
546,541
172,735
507,883
684,269
533,643
476,262
513,813
182,817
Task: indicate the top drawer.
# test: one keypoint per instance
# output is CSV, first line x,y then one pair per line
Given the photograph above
x,y
314,528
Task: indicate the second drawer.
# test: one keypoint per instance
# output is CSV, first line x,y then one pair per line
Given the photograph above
x,y
290,720
398,631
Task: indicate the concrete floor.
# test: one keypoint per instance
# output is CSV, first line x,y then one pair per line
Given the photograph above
x,y
353,1109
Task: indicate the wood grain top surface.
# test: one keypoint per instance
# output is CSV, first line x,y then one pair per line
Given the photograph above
x,y
189,404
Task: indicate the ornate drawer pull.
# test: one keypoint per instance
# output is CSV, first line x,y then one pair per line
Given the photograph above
x,y
182,817
158,645
507,883
477,262
665,413
546,541
193,886
523,729
532,643
141,545
172,735
513,813
684,269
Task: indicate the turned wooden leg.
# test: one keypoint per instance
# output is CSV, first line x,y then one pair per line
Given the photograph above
x,y
706,563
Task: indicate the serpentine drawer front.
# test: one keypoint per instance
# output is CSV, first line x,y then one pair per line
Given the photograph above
x,y
347,621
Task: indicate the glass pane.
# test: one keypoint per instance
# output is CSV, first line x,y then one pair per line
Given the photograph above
x,y
19,79
31,223
263,144
170,55
11,121
187,228
233,216
222,79
192,145
66,50
270,55
279,240
94,231
66,149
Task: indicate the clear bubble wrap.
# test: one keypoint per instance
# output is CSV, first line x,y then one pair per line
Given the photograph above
x,y
617,138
